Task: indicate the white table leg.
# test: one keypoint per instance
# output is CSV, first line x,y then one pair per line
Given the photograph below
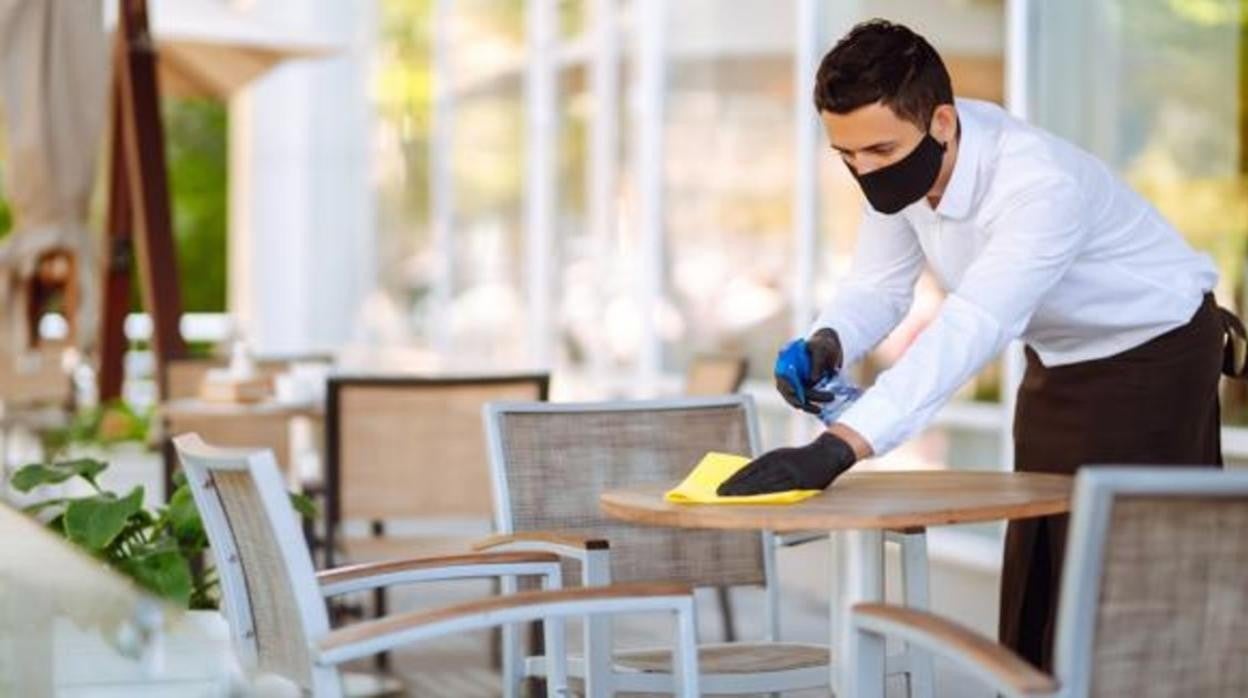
x,y
858,576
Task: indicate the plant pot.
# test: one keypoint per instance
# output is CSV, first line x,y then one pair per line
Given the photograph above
x,y
192,657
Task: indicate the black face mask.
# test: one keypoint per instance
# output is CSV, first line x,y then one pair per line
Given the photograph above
x,y
892,188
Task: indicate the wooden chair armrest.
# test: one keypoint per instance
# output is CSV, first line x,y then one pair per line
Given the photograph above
x,y
370,637
996,665
373,575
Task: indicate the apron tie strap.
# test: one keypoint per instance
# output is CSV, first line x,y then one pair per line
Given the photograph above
x,y
1235,348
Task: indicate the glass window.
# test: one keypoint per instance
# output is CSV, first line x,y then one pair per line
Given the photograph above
x,y
729,181
1157,90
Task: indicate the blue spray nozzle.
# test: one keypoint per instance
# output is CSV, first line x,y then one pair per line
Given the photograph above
x,y
793,365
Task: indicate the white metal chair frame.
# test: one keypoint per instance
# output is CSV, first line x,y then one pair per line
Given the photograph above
x,y
998,667
328,648
594,557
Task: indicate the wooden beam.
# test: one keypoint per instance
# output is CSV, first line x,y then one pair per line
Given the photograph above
x,y
118,252
140,132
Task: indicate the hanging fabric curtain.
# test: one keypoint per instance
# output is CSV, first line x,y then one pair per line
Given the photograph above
x,y
54,64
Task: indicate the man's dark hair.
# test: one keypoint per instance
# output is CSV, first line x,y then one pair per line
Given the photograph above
x,y
879,61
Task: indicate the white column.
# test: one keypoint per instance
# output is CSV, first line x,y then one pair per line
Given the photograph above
x,y
604,146
1017,100
649,26
540,170
806,154
301,202
441,185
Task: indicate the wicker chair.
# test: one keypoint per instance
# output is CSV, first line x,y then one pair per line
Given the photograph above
x,y
1154,598
276,603
36,378
409,449
715,374
551,461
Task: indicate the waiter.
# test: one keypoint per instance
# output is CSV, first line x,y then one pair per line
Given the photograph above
x,y
1032,238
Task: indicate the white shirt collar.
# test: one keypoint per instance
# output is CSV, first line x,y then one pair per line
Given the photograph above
x,y
960,192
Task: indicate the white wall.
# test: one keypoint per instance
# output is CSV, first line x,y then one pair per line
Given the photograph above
x,y
302,255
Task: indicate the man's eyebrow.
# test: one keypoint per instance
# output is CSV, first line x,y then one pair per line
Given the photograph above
x,y
874,146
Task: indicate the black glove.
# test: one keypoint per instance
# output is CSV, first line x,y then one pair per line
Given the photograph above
x,y
824,349
810,467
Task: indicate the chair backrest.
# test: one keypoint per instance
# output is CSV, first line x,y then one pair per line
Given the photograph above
x,y
552,461
271,597
412,447
36,377
1155,590
715,374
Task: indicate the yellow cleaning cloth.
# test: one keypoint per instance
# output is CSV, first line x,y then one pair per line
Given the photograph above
x,y
699,487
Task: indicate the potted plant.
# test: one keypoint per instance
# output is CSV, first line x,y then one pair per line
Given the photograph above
x,y
160,548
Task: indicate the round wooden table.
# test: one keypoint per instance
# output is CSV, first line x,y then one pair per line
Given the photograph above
x,y
857,509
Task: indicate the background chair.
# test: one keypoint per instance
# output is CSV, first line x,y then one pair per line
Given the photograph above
x,y
1153,599
715,374
405,459
551,462
276,603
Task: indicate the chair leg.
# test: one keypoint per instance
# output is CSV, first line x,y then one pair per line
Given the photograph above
x,y
920,676
725,612
537,686
382,660
551,635
867,677
513,650
686,659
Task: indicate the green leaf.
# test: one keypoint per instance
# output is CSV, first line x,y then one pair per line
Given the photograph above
x,y
31,476
304,505
40,506
164,572
184,516
93,522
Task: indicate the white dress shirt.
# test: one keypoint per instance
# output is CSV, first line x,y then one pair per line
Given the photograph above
x,y
1033,238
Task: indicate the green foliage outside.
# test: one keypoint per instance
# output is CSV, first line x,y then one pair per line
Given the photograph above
x,y
197,149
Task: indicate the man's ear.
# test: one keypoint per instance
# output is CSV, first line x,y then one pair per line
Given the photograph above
x,y
945,123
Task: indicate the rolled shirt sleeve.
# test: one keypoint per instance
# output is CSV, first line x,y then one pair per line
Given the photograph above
x,y
1031,245
878,291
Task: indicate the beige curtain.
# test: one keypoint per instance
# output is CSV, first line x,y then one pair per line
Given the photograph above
x,y
54,77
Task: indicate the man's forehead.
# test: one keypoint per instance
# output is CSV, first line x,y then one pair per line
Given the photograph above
x,y
866,126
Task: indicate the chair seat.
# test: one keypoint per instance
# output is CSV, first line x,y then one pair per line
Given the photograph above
x,y
730,658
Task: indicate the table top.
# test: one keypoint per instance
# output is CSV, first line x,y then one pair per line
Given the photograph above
x,y
864,500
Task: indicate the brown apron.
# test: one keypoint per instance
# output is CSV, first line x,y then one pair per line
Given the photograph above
x,y
1154,404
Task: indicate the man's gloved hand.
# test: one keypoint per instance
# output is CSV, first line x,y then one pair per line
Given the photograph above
x,y
810,467
824,349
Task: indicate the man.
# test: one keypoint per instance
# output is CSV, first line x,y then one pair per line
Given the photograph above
x,y
1032,238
